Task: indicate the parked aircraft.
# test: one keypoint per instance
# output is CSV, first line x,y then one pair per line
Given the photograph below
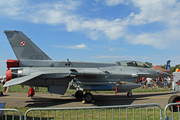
x,y
35,68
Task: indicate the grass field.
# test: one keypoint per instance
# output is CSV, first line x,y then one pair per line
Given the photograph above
x,y
124,114
18,88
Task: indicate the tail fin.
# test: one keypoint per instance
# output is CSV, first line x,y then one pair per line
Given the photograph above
x,y
168,67
23,47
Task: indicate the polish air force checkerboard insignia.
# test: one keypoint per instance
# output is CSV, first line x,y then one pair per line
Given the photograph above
x,y
22,43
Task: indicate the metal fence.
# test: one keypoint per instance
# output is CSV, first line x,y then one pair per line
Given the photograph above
x,y
102,112
121,112
175,111
14,115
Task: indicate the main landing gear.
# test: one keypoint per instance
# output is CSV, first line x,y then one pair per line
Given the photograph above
x,y
88,97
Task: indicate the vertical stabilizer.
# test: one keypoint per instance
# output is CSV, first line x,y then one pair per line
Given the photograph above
x,y
23,47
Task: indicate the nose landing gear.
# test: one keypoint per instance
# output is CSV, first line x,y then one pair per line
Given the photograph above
x,y
79,94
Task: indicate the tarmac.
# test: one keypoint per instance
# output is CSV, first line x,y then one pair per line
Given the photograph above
x,y
68,100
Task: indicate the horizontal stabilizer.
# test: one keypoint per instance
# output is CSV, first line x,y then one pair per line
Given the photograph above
x,y
20,80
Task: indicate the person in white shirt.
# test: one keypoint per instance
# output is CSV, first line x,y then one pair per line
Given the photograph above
x,y
148,80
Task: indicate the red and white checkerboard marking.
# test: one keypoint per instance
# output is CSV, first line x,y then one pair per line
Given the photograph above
x,y
22,43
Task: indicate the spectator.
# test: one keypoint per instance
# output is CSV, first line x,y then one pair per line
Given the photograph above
x,y
161,81
148,80
169,82
157,82
172,82
165,82
144,82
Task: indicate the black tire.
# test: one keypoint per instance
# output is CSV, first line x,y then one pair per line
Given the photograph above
x,y
129,94
88,97
174,99
79,94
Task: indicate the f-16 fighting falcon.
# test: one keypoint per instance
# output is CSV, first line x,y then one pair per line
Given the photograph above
x,y
35,68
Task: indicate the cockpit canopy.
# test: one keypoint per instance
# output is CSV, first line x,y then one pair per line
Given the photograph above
x,y
132,63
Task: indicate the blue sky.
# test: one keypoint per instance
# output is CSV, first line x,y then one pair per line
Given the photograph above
x,y
95,30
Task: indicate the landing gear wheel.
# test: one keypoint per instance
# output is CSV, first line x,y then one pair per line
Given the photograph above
x,y
88,97
129,94
174,99
79,94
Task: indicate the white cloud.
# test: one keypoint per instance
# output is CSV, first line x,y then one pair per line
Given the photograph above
x,y
61,13
12,7
152,10
81,46
115,2
64,12
55,13
112,49
112,29
162,11
155,40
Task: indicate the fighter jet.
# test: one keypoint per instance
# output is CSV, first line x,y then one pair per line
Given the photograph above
x,y
35,68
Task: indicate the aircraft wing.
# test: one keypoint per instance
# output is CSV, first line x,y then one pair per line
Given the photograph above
x,y
20,80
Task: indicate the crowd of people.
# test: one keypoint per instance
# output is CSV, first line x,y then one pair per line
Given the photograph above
x,y
158,82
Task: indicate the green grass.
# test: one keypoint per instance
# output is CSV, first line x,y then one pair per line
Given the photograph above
x,y
123,114
18,88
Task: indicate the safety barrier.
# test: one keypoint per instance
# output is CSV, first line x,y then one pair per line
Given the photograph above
x,y
104,112
12,116
174,107
139,111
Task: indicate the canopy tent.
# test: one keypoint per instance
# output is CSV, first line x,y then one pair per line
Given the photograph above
x,y
157,67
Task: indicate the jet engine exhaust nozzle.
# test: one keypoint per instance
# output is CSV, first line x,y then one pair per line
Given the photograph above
x,y
13,73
